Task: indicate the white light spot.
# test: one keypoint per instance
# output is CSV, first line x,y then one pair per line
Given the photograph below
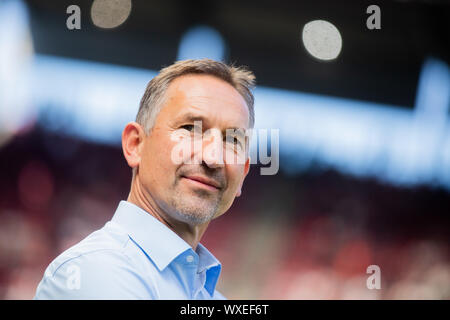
x,y
322,39
189,258
109,14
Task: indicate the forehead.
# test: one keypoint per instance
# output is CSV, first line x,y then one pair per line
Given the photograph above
x,y
209,97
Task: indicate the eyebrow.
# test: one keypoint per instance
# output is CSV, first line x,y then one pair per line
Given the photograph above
x,y
192,117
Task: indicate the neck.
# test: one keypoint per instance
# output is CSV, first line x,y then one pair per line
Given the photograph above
x,y
189,233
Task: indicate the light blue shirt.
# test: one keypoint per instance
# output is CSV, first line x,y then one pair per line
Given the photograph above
x,y
134,256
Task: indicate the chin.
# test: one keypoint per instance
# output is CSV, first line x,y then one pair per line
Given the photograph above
x,y
194,214
193,218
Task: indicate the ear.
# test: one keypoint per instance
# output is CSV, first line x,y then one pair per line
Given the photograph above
x,y
246,170
132,142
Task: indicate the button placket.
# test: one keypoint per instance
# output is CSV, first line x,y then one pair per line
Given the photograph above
x,y
200,281
190,270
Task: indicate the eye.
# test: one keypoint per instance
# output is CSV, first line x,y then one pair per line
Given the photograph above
x,y
188,127
234,141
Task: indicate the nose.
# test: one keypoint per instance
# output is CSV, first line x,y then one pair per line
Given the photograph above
x,y
213,150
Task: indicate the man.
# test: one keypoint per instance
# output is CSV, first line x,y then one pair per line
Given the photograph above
x,y
185,174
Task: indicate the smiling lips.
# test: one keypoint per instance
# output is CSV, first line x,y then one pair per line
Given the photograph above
x,y
204,182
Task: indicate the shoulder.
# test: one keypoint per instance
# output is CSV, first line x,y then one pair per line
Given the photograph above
x,y
106,242
98,267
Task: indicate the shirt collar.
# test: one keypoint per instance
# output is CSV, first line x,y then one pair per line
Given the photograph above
x,y
149,233
208,262
206,258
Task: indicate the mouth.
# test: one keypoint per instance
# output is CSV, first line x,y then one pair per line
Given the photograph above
x,y
203,183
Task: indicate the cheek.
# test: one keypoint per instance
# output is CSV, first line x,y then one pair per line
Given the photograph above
x,y
180,149
156,161
235,175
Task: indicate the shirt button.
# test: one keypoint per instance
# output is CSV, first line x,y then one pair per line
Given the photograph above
x,y
189,258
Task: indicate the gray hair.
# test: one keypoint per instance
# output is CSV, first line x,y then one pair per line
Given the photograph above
x,y
153,99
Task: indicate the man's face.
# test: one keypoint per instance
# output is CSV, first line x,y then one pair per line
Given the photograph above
x,y
175,186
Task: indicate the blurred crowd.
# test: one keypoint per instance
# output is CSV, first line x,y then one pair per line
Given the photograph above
x,y
310,236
